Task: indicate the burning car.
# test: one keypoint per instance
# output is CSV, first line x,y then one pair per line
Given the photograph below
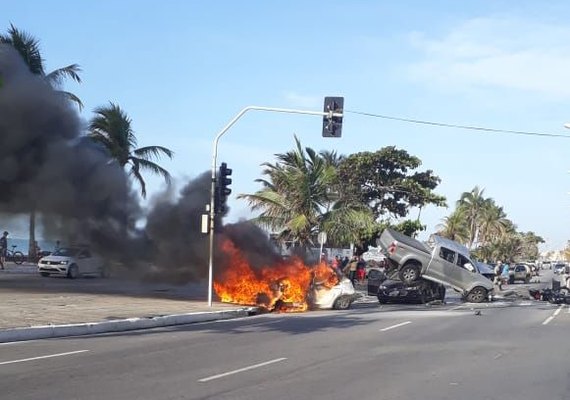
x,y
287,286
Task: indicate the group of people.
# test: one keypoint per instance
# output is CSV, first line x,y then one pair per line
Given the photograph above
x,y
354,269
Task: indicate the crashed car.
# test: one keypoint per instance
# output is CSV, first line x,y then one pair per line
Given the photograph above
x,y
339,297
396,291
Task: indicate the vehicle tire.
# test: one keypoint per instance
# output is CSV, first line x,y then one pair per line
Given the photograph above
x,y
511,280
342,303
18,257
72,272
410,273
477,295
44,274
527,279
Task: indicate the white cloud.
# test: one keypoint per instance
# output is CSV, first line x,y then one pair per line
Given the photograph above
x,y
495,53
304,101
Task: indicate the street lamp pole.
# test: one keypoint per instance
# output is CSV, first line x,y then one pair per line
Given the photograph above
x,y
329,114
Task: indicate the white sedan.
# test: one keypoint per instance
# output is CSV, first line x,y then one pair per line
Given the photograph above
x,y
72,262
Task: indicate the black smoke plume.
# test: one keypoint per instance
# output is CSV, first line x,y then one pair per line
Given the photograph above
x,y
48,165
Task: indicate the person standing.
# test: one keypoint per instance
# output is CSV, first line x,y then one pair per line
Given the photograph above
x,y
360,270
351,267
3,248
504,275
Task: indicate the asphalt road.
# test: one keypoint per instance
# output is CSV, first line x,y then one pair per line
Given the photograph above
x,y
513,350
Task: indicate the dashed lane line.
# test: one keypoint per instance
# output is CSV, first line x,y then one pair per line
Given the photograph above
x,y
395,326
556,312
237,371
43,357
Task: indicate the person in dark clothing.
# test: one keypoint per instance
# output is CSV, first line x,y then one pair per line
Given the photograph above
x,y
3,248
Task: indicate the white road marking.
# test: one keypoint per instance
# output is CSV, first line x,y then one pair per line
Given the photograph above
x,y
42,357
395,326
556,312
17,342
236,371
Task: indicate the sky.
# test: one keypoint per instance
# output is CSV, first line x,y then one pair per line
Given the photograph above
x,y
183,69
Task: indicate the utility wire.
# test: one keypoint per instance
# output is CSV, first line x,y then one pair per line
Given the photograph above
x,y
473,128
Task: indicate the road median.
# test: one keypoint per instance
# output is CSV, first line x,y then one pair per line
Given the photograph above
x,y
120,325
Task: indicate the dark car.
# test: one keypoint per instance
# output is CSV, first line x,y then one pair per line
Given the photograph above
x,y
396,291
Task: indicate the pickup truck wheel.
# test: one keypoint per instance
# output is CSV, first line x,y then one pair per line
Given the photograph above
x,y
342,303
477,295
410,273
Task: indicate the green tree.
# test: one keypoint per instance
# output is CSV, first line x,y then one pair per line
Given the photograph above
x,y
455,227
387,182
28,47
111,127
299,198
493,222
473,204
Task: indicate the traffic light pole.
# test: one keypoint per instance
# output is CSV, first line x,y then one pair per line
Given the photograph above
x,y
329,114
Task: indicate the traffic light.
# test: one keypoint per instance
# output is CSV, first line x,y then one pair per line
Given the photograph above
x,y
223,190
332,126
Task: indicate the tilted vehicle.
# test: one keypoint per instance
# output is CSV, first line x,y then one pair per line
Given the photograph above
x,y
520,272
72,262
487,270
438,260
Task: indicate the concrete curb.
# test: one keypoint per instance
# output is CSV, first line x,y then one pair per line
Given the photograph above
x,y
121,325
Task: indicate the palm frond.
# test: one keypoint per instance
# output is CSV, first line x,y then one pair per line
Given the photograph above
x,y
57,76
72,98
153,152
151,167
135,171
27,46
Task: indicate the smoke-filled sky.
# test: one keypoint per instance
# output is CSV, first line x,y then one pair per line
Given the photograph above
x,y
83,196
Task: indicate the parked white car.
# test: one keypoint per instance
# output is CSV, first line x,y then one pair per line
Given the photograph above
x,y
72,262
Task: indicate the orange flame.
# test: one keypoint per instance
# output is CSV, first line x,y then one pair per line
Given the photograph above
x,y
288,282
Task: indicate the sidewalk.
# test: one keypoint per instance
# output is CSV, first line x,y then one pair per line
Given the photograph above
x,y
98,305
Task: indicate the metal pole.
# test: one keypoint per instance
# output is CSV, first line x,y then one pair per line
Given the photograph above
x,y
330,114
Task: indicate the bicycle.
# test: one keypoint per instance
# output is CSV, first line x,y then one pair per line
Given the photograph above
x,y
16,256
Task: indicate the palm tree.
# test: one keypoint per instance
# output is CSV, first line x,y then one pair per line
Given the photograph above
x,y
493,222
455,227
298,199
473,203
111,127
28,47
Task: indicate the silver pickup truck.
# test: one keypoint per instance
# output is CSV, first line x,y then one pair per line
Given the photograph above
x,y
439,260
